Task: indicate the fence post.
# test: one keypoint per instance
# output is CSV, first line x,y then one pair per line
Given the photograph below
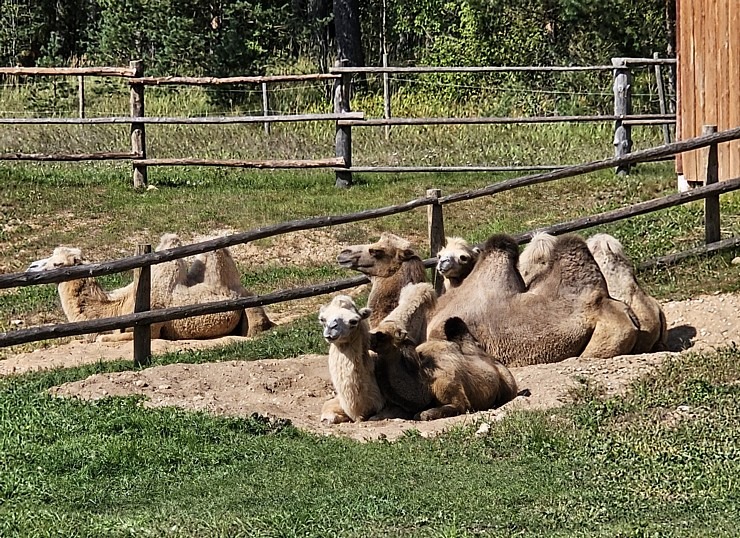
x,y
622,107
342,90
142,333
711,202
386,97
436,225
138,135
81,95
661,98
265,107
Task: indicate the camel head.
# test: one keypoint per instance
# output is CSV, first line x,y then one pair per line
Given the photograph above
x,y
168,241
607,250
341,319
381,259
536,259
389,336
62,257
457,258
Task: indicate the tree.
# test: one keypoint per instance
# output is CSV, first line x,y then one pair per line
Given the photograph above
x,y
348,34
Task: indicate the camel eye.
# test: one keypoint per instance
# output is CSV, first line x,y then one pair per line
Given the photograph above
x,y
353,322
376,253
322,320
464,258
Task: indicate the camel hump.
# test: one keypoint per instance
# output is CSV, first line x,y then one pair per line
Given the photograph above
x,y
502,242
602,245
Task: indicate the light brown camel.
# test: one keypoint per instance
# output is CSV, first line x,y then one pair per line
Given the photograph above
x,y
391,263
84,299
623,286
176,284
439,378
351,368
456,260
566,312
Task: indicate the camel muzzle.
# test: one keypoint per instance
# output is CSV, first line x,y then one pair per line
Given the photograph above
x,y
348,259
444,265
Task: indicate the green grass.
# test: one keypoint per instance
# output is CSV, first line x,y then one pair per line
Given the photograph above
x,y
619,467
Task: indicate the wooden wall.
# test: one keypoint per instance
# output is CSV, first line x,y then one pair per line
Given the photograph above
x,y
708,74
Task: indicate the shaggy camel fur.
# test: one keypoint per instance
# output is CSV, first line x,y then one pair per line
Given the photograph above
x,y
439,378
456,260
415,304
351,369
623,286
390,263
176,284
566,311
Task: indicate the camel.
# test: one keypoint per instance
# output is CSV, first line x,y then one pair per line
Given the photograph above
x,y
455,261
565,312
623,286
84,299
351,368
390,263
438,378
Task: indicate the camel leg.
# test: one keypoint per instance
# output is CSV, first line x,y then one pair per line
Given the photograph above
x,y
615,332
257,321
451,395
332,412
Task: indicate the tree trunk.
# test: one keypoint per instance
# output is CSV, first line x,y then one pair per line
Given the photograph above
x,y
348,33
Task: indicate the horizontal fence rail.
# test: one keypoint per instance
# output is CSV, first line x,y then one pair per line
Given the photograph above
x,y
485,120
219,81
204,120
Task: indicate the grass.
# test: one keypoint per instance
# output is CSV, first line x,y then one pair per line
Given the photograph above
x,y
658,462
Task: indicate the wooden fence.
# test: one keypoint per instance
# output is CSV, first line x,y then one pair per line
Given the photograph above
x,y
141,319
344,119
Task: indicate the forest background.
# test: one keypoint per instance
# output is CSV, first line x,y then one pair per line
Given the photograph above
x,y
232,37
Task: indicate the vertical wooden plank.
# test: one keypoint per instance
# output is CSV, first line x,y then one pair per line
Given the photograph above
x,y
661,98
688,92
81,95
711,203
699,58
724,105
681,183
436,226
733,82
343,141
265,107
142,333
138,135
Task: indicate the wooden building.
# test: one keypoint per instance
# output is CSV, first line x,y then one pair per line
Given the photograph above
x,y
708,79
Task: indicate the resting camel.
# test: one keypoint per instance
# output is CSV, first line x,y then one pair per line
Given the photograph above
x,y
390,263
623,286
565,312
415,304
351,369
439,378
84,299
456,260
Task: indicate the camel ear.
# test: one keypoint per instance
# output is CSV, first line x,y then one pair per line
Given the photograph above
x,y
476,250
456,329
407,254
38,265
365,313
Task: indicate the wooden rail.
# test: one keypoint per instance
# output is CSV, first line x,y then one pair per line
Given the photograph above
x,y
203,120
102,156
235,163
69,71
219,81
482,120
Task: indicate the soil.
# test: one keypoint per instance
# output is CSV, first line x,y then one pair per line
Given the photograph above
x,y
296,388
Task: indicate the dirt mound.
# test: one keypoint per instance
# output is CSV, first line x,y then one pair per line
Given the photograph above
x,y
296,388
